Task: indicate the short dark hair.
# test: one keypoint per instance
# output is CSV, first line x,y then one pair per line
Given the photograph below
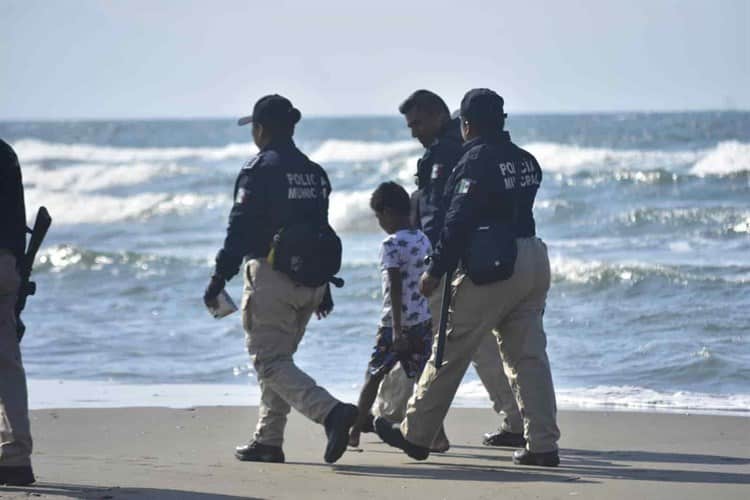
x,y
390,195
424,100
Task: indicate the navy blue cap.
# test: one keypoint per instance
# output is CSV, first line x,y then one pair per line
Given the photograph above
x,y
482,103
272,110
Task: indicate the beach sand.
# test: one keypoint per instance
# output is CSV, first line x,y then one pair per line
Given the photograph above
x,y
122,453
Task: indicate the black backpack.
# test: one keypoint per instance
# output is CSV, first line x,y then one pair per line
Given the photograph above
x,y
307,252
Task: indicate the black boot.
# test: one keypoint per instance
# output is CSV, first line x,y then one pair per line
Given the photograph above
x,y
16,475
368,426
258,452
337,425
504,438
526,457
391,434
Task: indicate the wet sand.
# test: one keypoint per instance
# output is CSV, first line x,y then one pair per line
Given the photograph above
x,y
138,453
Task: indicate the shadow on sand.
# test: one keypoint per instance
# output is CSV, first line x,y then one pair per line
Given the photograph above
x,y
103,493
582,466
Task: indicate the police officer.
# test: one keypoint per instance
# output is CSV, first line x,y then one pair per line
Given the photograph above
x,y
15,435
430,122
278,188
496,181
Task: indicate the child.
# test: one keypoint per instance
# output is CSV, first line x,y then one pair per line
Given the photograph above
x,y
405,332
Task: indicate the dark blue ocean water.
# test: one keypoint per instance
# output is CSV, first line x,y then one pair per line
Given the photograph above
x,y
647,217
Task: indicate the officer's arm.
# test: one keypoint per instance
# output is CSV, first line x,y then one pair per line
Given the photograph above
x,y
447,157
244,219
463,192
12,207
326,194
414,218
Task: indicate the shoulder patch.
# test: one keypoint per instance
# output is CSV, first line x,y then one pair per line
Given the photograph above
x,y
252,162
474,152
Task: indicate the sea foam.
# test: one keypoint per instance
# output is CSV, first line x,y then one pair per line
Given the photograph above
x,y
32,150
626,398
354,151
80,208
96,176
727,158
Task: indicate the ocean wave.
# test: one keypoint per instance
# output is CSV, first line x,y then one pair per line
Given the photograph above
x,y
729,157
714,220
350,211
77,208
32,150
726,158
96,176
629,398
570,159
577,271
65,258
332,150
352,151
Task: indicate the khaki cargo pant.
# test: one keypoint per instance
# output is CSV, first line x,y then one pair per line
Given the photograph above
x,y
275,312
397,388
513,310
15,435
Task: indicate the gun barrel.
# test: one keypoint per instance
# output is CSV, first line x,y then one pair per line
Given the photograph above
x,y
442,327
41,226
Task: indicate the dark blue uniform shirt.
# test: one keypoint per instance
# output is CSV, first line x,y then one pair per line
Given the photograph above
x,y
12,208
495,181
433,169
279,187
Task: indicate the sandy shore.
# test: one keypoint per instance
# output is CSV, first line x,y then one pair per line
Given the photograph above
x,y
175,454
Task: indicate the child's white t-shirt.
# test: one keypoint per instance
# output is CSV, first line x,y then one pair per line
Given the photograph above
x,y
406,250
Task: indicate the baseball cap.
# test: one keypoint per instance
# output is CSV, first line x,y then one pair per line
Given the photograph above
x,y
482,103
272,109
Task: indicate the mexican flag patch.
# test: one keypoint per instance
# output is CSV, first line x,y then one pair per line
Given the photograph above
x,y
464,186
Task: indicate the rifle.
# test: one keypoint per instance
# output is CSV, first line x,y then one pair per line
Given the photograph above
x,y
443,319
28,287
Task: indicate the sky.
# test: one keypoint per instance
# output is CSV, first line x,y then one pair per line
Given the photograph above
x,y
102,59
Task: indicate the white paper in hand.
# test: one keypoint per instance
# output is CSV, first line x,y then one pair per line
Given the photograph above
x,y
225,306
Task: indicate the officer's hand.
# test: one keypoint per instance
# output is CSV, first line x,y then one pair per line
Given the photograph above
x,y
214,288
326,306
428,284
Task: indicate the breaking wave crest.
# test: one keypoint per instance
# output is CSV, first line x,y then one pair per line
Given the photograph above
x,y
628,398
32,150
96,176
350,211
78,208
352,151
333,150
726,158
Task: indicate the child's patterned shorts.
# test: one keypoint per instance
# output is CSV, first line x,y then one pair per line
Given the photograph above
x,y
383,357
